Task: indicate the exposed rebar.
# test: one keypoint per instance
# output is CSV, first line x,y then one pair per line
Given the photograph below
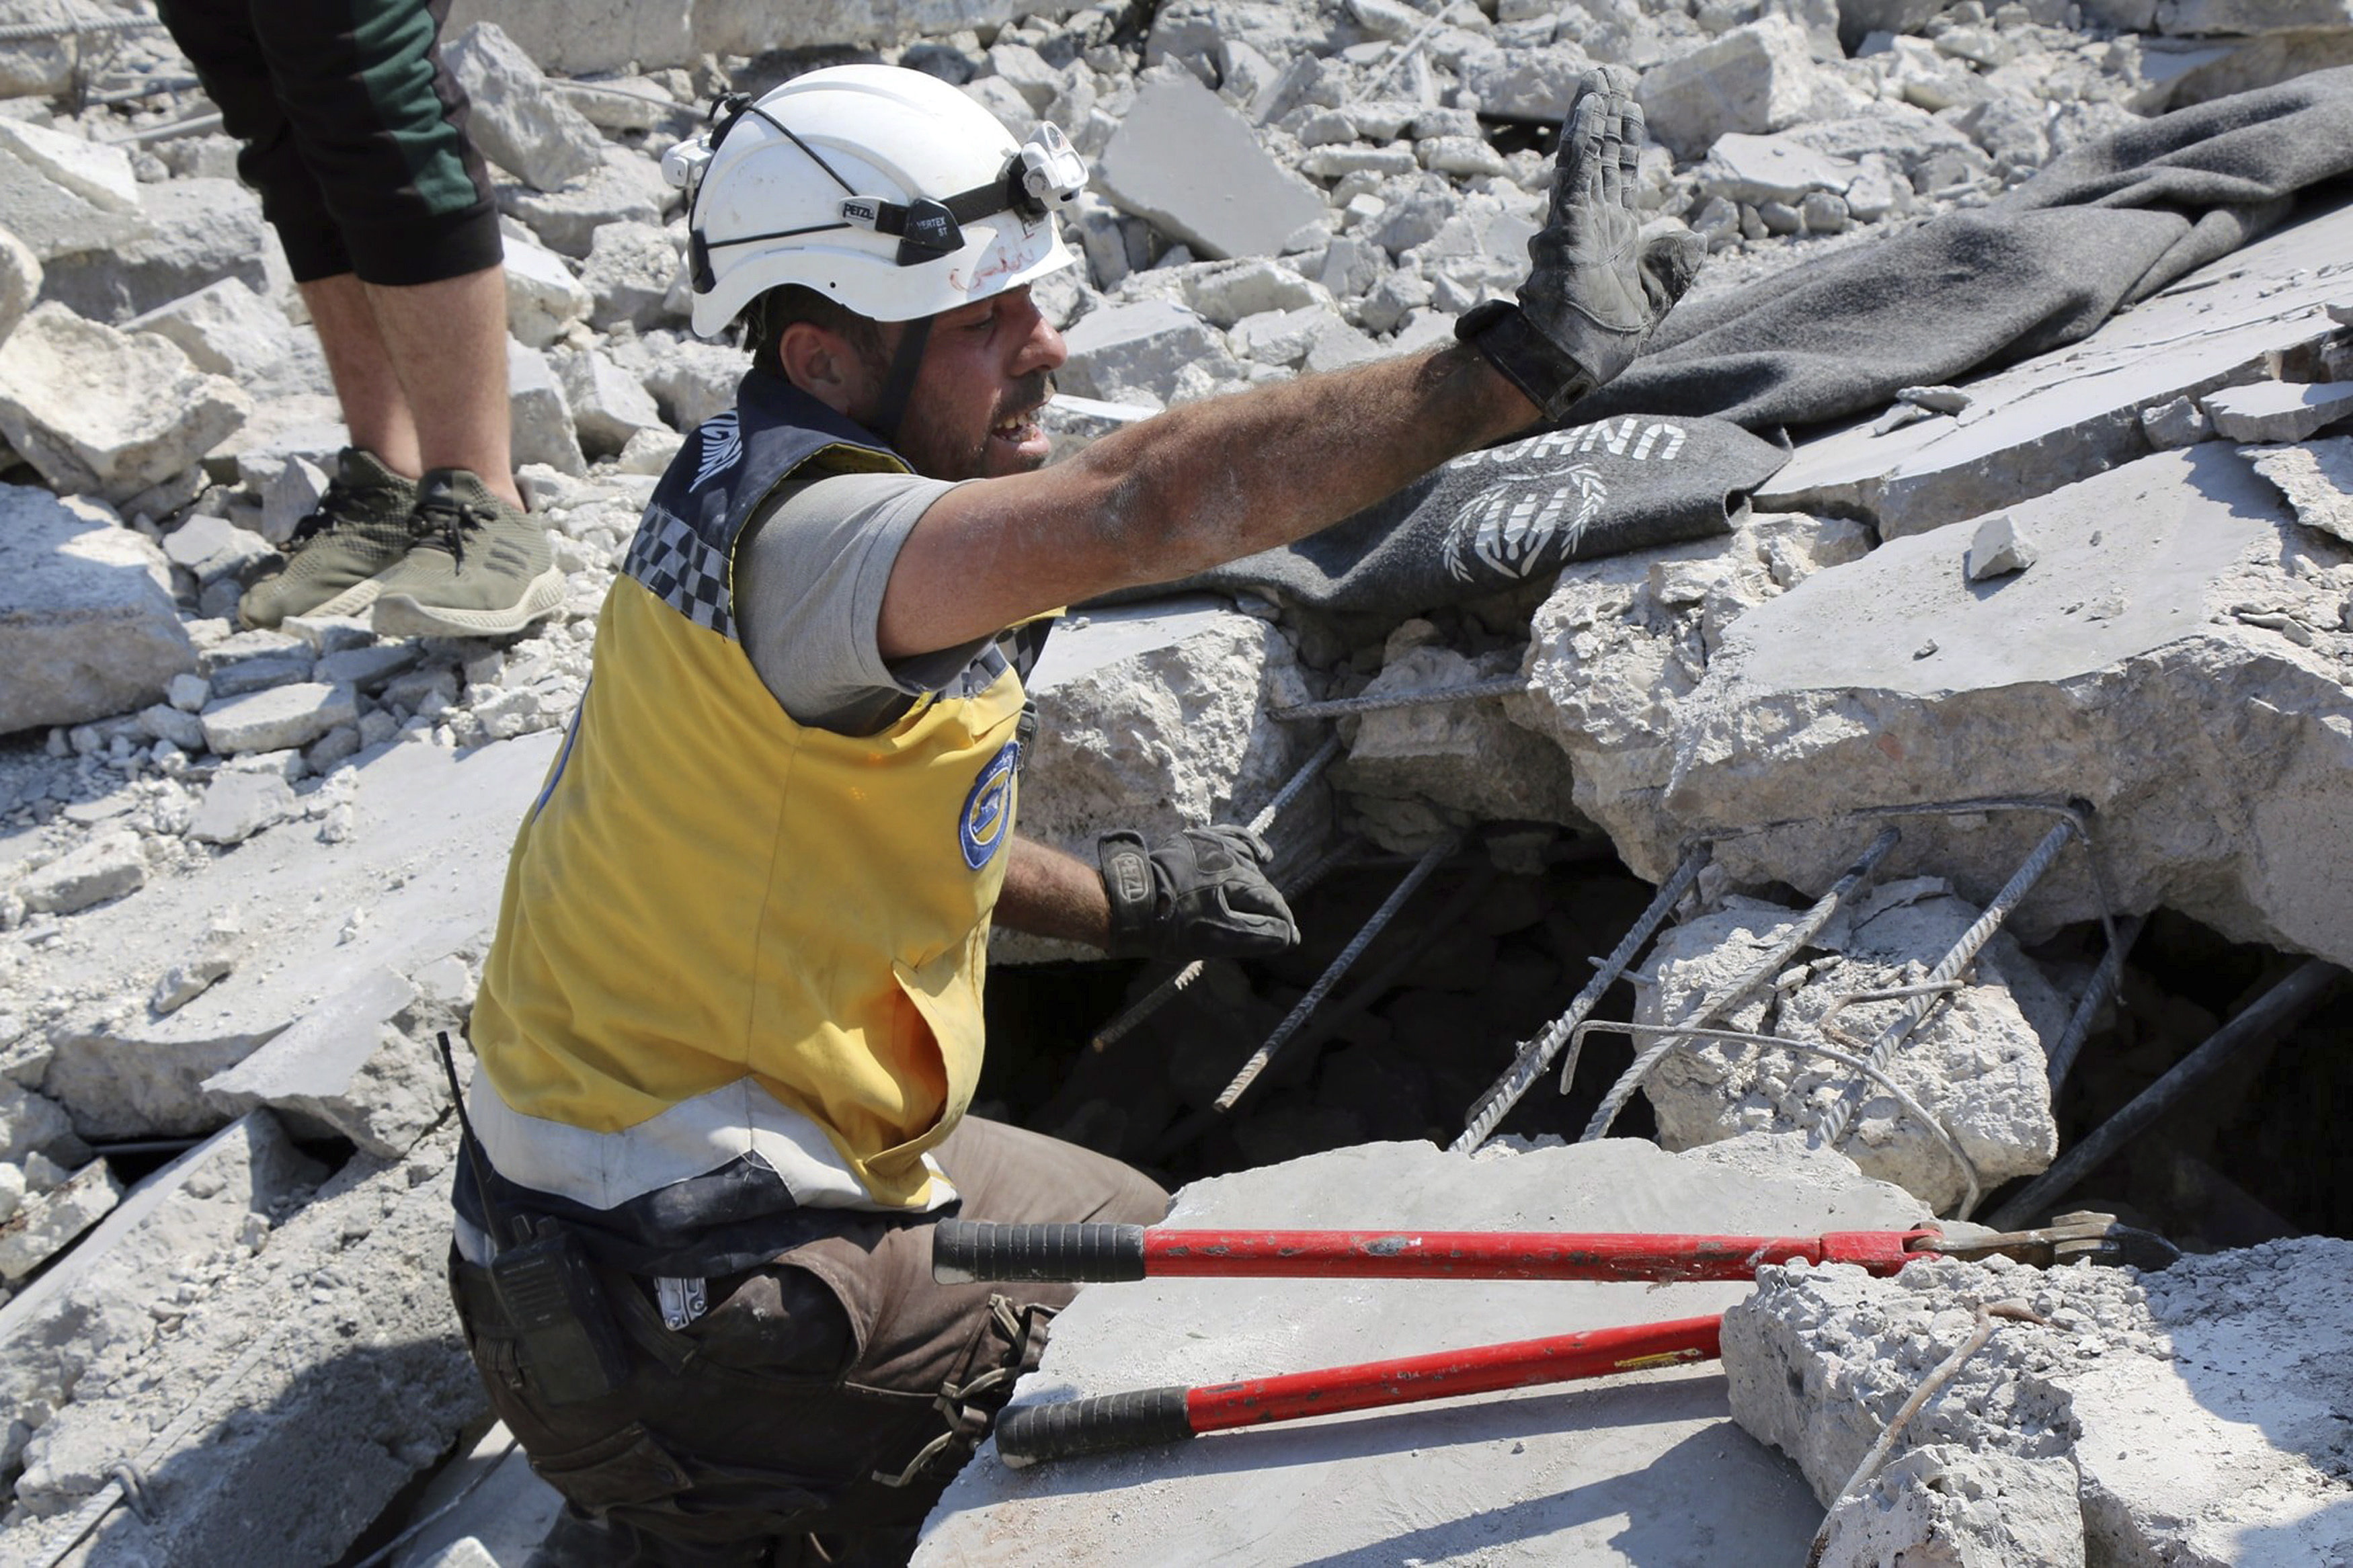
x,y
1537,1055
2017,1311
1160,996
2095,995
1374,703
1809,926
1842,1113
2266,1019
1684,1034
1265,1055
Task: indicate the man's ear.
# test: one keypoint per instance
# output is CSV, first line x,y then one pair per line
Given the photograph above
x,y
824,364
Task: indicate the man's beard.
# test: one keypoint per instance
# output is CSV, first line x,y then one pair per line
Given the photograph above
x,y
931,452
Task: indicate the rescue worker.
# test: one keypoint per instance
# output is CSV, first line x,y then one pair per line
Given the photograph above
x,y
731,1024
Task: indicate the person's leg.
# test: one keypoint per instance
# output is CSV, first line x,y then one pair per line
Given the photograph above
x,y
375,406
446,342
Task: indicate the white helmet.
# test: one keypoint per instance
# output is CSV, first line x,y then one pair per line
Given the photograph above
x,y
882,188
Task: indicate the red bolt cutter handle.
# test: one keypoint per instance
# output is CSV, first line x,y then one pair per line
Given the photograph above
x,y
1144,1418
965,1250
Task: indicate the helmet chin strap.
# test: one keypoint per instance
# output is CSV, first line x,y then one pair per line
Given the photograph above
x,y
904,364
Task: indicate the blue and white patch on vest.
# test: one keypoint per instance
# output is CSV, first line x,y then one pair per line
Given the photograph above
x,y
986,820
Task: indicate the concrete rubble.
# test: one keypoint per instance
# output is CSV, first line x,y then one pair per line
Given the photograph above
x,y
2187,1416
246,877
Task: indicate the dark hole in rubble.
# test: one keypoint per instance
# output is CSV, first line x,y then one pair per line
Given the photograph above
x,y
2253,1156
1442,1026
2256,1154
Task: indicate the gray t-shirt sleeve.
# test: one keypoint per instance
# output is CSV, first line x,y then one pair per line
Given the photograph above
x,y
808,599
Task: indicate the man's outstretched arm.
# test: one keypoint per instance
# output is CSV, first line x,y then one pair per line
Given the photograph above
x,y
1207,482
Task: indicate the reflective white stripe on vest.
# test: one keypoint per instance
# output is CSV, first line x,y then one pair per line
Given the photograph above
x,y
692,1138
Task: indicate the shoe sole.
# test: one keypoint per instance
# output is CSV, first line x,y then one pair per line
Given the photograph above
x,y
351,604
401,616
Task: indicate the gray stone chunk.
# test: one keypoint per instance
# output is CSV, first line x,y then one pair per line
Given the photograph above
x,y
280,717
520,123
2175,596
343,1070
2203,19
1193,168
105,867
43,1225
2192,1436
61,193
629,273
1526,84
609,407
2317,481
544,431
1132,354
2178,422
166,723
1757,79
20,281
627,188
1977,1065
544,299
199,232
1943,1503
99,410
87,623
237,804
2277,410
1999,548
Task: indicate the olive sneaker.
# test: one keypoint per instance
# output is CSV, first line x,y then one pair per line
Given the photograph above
x,y
479,567
359,528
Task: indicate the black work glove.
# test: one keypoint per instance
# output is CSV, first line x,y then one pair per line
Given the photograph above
x,y
1594,290
1201,893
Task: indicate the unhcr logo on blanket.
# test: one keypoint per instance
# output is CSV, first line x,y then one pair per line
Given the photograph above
x,y
1529,522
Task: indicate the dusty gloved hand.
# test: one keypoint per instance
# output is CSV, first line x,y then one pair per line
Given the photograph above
x,y
1595,291
1201,893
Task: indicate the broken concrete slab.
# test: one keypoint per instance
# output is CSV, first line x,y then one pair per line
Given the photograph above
x,y
1754,169
1641,1468
343,1070
93,1306
1136,354
199,231
1979,1064
2175,659
544,299
1956,1506
2275,411
1412,775
225,329
494,1519
2317,481
310,1378
412,876
87,624
2195,1406
1153,717
106,867
105,412
61,194
1756,78
20,281
627,188
236,806
1195,169
518,122
2056,418
46,1223
609,407
544,431
276,717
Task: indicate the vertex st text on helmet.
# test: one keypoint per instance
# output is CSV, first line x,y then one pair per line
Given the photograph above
x,y
886,190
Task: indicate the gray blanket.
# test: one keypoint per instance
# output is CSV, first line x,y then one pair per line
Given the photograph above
x,y
2106,223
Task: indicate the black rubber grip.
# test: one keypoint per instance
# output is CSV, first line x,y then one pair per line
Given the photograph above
x,y
1104,1424
965,1250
